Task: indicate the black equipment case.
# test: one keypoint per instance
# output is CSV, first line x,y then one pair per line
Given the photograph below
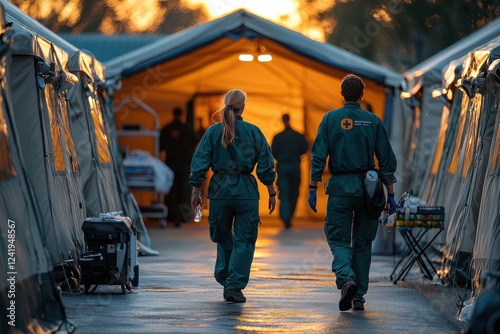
x,y
111,253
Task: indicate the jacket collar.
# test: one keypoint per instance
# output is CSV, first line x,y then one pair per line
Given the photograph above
x,y
352,105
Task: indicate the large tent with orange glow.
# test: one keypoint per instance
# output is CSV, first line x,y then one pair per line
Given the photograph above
x,y
286,72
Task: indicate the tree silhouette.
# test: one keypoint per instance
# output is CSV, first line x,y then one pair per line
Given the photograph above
x,y
395,33
400,33
111,16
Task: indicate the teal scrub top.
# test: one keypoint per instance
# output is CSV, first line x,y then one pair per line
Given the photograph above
x,y
351,137
232,166
288,146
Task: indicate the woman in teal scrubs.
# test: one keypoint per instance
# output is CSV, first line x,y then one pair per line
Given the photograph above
x,y
232,149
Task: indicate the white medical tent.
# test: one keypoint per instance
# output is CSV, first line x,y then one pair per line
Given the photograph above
x,y
194,67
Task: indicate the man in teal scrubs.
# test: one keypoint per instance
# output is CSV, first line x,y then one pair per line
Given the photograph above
x,y
350,137
232,149
287,147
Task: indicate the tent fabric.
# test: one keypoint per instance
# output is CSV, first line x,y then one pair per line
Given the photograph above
x,y
58,188
91,140
437,191
486,252
242,24
420,81
194,67
97,160
27,276
429,72
466,167
107,47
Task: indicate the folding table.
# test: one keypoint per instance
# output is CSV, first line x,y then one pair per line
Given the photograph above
x,y
426,221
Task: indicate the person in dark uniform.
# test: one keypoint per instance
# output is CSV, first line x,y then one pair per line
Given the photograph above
x,y
233,148
351,137
287,147
177,144
201,129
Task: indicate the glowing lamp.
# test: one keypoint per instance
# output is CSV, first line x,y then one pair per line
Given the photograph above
x,y
264,58
245,57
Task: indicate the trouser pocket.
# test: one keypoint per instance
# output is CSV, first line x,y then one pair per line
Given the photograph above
x,y
252,228
214,231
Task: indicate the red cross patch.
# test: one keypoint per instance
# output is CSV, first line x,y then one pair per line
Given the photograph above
x,y
346,123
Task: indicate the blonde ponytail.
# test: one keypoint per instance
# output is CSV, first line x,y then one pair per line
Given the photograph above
x,y
228,126
234,101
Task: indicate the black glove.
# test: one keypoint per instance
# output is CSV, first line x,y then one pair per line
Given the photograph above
x,y
392,203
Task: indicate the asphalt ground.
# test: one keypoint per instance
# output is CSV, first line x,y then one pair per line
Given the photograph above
x,y
291,290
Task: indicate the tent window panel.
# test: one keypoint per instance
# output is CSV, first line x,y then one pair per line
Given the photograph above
x,y
100,134
470,144
495,159
458,139
443,129
68,136
7,169
55,129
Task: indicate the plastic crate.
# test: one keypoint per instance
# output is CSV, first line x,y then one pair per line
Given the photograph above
x,y
425,216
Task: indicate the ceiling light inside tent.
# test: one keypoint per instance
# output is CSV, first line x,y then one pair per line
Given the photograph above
x,y
264,58
245,57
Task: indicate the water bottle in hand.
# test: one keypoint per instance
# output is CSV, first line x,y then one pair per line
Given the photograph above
x,y
383,217
198,213
389,220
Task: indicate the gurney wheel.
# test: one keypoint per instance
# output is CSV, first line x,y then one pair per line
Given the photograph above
x,y
135,280
126,287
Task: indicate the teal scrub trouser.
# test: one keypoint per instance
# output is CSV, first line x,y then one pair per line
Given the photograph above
x,y
351,257
288,184
234,227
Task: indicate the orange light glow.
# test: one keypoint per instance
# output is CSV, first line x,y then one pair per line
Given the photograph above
x,y
288,13
69,11
133,16
382,15
147,16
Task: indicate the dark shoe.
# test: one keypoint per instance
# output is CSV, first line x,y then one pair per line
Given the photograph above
x,y
358,304
287,223
349,290
225,293
235,296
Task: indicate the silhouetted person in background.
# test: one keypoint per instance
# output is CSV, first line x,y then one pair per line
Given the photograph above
x,y
177,144
287,148
201,129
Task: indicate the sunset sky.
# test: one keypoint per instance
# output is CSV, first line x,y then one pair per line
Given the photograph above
x,y
289,13
298,15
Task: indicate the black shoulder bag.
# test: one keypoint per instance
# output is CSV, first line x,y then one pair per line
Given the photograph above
x,y
375,205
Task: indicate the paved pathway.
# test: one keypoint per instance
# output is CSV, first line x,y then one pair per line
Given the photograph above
x,y
291,290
